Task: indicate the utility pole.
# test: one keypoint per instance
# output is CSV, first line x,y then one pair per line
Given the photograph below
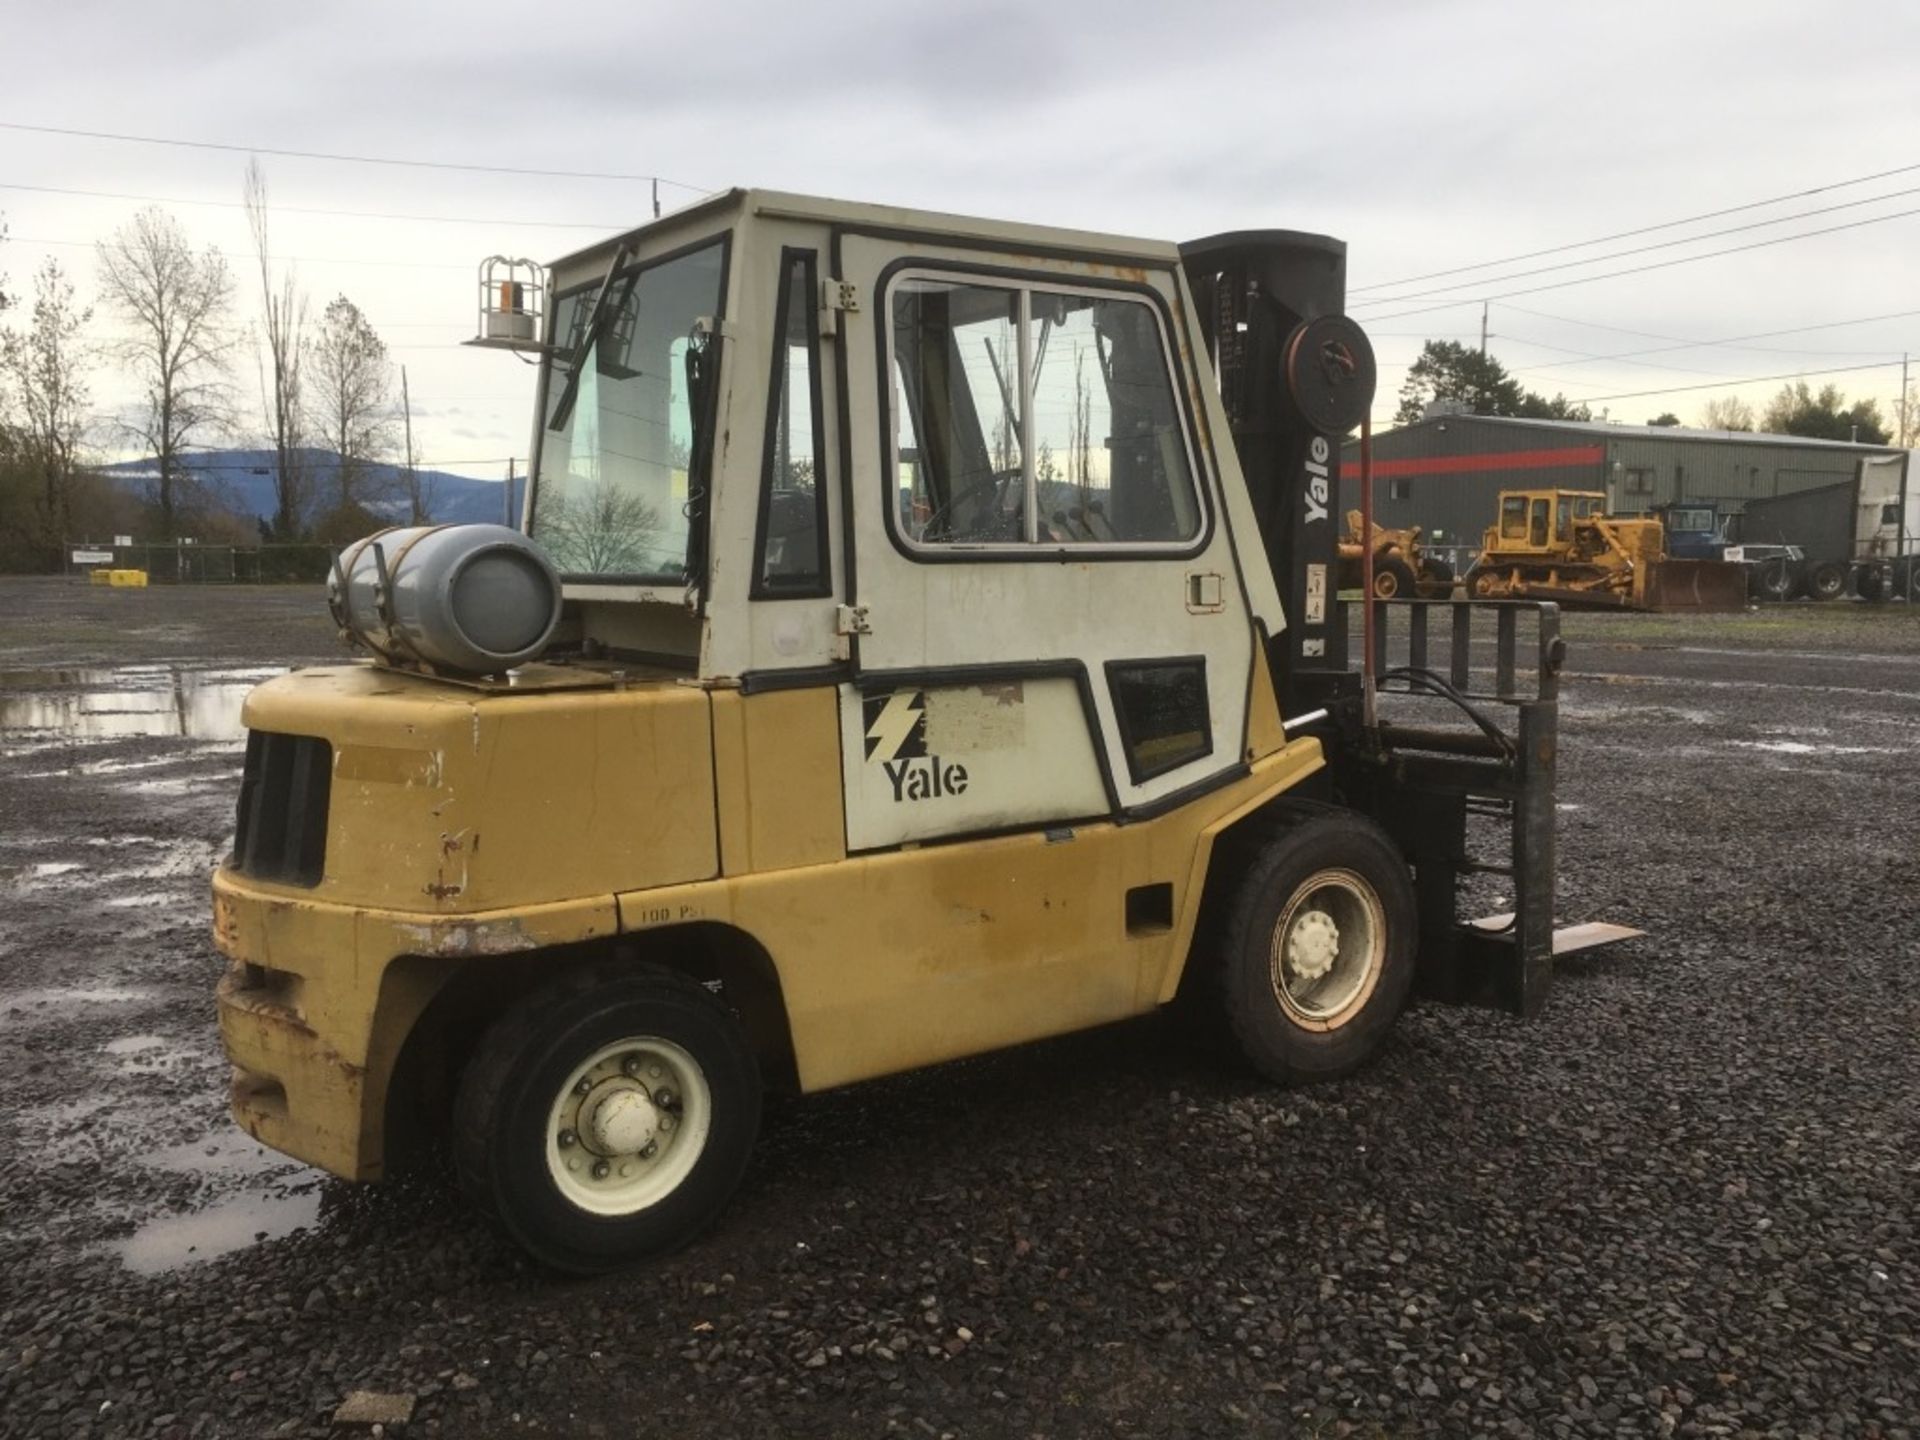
x,y
413,480
656,197
506,505
1483,328
1903,400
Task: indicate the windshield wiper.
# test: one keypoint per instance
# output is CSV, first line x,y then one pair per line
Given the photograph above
x,y
596,322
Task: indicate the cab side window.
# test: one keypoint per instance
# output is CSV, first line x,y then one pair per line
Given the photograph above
x,y
1028,415
790,547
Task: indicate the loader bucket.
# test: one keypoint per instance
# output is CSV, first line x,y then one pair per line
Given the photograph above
x,y
1694,585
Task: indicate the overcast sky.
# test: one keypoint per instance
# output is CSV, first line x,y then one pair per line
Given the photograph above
x,y
1429,134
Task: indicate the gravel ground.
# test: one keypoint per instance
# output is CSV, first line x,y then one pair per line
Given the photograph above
x,y
1681,1202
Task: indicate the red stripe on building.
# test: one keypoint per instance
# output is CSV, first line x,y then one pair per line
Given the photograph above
x,y
1571,458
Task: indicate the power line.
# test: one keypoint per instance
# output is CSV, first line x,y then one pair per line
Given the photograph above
x,y
1732,342
1746,380
1583,357
1645,249
311,210
1655,265
301,259
1642,230
542,173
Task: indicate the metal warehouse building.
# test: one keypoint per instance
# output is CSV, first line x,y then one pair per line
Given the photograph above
x,y
1446,472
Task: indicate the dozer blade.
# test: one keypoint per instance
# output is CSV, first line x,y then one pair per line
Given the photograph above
x,y
1695,585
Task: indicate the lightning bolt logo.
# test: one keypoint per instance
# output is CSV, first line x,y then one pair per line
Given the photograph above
x,y
896,726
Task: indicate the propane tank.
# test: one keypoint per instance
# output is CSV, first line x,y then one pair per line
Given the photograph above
x,y
476,599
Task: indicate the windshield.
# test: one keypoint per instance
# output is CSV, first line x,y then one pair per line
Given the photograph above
x,y
611,495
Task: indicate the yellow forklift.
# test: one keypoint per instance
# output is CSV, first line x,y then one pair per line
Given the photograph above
x,y
921,640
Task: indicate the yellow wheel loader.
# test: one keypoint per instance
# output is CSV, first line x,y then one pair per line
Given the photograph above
x,y
1561,545
1402,568
921,641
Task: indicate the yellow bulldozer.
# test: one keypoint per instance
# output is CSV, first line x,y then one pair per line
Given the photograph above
x,y
1402,568
1561,545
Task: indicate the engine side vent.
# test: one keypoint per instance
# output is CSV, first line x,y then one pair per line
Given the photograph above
x,y
281,833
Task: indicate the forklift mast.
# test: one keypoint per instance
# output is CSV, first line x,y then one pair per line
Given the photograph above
x,y
1296,376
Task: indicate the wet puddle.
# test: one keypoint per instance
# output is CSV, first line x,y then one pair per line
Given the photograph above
x,y
144,861
1802,747
234,1224
128,702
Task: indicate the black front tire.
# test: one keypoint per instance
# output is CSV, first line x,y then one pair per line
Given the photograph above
x,y
1393,579
1774,580
1345,867
504,1131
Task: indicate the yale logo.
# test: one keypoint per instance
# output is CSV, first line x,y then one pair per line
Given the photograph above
x,y
1317,495
896,732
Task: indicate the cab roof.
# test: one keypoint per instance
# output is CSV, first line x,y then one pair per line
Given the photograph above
x,y
740,204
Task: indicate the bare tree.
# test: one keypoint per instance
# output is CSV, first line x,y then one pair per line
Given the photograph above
x,y
179,305
283,317
45,371
349,394
603,530
1729,412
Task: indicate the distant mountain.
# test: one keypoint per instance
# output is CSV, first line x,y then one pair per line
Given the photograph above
x,y
243,480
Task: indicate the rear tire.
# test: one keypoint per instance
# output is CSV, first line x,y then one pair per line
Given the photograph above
x,y
1316,952
1827,580
607,1118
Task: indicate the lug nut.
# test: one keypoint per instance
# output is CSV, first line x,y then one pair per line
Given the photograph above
x,y
663,1096
631,1065
584,1086
650,1149
567,1139
601,1169
655,1071
666,1123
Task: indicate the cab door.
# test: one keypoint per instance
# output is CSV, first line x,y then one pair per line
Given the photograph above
x,y
1047,622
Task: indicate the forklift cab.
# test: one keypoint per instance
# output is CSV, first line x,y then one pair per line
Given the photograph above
x,y
962,484
1542,521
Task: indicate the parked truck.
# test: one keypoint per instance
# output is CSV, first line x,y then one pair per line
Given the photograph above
x,y
1855,537
735,773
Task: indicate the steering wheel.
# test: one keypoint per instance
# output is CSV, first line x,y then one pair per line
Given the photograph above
x,y
991,486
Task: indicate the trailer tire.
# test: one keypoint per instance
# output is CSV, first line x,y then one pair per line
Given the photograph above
x,y
1393,579
1827,580
607,1117
1774,579
1316,948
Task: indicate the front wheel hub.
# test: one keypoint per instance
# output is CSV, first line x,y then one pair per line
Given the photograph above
x,y
623,1121
1314,944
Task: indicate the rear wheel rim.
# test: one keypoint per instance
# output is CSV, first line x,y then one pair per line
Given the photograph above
x,y
1386,585
1328,950
628,1126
